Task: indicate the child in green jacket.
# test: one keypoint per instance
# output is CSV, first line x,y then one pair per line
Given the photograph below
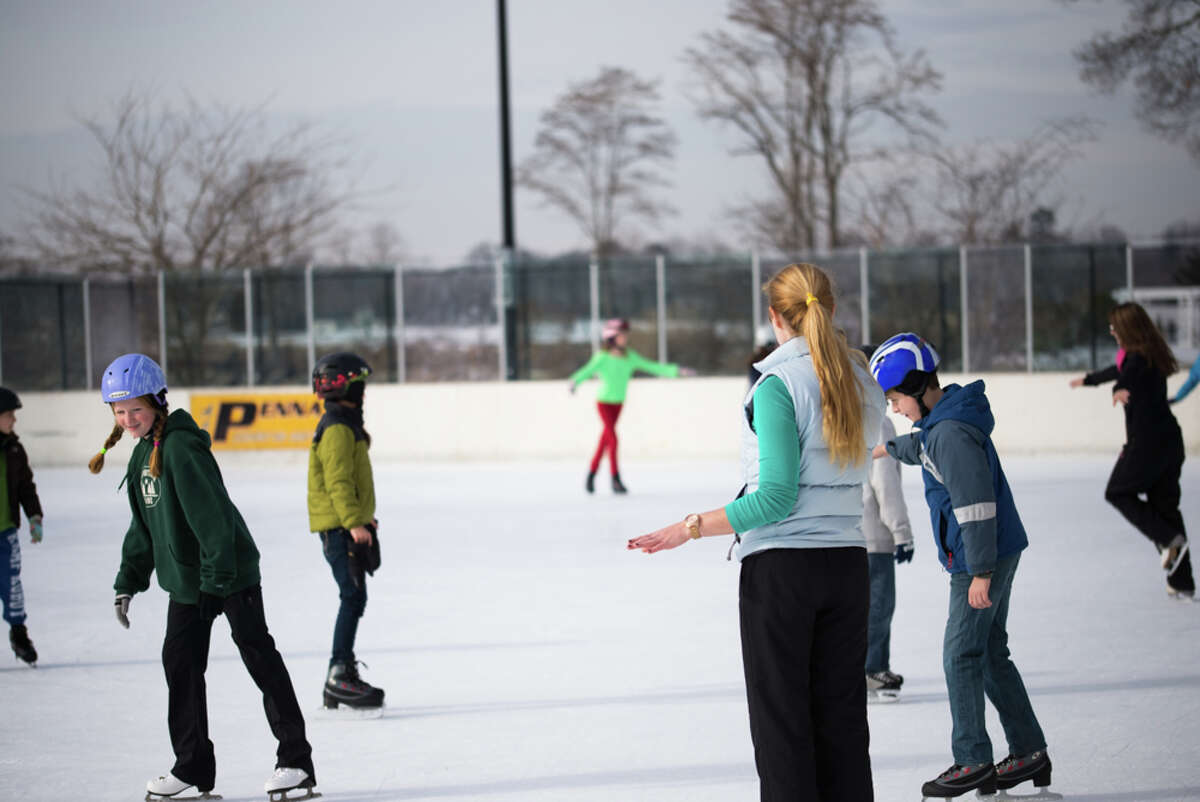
x,y
341,509
186,529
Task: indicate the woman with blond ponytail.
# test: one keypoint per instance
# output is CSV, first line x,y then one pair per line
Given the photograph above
x,y
185,529
808,425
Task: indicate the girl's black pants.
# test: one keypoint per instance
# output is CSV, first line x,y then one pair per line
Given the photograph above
x,y
185,658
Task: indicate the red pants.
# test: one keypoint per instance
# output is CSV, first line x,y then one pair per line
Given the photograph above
x,y
608,438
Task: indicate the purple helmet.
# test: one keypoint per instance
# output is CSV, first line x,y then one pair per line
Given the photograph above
x,y
130,376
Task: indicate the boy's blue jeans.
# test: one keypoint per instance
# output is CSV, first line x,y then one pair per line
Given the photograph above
x,y
11,592
879,620
336,545
976,660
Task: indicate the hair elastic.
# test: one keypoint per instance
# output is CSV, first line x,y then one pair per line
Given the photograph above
x,y
156,444
104,451
810,299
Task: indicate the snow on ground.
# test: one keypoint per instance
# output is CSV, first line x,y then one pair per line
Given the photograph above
x,y
527,656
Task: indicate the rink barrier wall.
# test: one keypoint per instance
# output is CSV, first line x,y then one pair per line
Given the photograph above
x,y
534,420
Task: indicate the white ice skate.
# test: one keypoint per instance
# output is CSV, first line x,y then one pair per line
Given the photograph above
x,y
171,787
1174,553
285,780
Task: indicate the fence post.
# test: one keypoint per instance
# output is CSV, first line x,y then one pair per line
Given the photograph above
x,y
1129,269
309,315
1028,308
964,306
864,283
501,322
87,330
594,301
755,297
162,321
248,298
401,355
660,286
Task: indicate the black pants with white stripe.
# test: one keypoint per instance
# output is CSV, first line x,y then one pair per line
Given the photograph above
x,y
804,644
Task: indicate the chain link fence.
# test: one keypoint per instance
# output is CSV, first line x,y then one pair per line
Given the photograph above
x,y
1017,308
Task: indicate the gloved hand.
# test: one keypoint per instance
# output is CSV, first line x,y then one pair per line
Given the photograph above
x,y
904,553
35,529
121,605
211,606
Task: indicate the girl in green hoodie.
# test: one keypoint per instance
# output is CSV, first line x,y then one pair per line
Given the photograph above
x,y
186,529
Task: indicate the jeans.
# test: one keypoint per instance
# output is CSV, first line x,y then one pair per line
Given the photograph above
x,y
975,658
803,615
185,659
11,592
882,568
336,544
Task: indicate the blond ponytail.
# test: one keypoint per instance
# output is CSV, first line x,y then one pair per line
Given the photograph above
x,y
802,294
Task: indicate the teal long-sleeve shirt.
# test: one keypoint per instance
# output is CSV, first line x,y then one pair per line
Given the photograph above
x,y
778,460
616,370
1192,380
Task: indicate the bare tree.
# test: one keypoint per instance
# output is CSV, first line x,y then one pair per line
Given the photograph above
x,y
803,82
599,154
191,192
197,188
1159,46
986,192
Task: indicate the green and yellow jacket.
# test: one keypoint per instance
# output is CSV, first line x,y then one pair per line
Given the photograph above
x,y
185,528
341,488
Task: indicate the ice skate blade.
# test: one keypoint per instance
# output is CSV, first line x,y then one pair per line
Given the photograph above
x,y
1041,794
883,697
347,713
282,796
183,796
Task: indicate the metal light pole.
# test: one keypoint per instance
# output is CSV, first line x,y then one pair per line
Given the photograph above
x,y
507,312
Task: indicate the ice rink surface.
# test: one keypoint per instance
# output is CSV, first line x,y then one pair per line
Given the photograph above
x,y
528,656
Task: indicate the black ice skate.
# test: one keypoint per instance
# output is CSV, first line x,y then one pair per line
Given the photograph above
x,y
884,686
1012,771
617,486
171,787
344,686
285,780
958,780
590,484
22,646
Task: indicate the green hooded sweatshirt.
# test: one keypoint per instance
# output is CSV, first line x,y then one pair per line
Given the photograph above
x,y
184,527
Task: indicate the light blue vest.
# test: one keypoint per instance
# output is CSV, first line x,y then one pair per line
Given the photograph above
x,y
828,510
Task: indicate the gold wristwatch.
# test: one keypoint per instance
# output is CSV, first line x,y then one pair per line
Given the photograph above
x,y
692,522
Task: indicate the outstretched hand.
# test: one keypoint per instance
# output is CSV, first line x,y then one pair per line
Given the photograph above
x,y
1076,382
687,371
668,537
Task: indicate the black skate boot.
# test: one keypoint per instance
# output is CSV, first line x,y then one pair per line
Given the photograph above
x,y
883,686
896,678
1012,771
22,646
344,686
590,485
616,484
958,780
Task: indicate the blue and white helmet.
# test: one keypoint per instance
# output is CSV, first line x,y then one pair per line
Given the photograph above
x,y
901,355
133,375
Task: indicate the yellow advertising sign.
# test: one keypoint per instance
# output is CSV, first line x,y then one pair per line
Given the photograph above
x,y
258,420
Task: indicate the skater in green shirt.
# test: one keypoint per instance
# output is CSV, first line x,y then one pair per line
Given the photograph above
x,y
615,364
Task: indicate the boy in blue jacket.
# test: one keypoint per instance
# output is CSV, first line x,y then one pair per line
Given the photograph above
x,y
979,540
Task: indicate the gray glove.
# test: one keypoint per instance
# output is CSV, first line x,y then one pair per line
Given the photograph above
x,y
121,605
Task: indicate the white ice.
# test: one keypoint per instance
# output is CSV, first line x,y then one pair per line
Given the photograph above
x,y
528,656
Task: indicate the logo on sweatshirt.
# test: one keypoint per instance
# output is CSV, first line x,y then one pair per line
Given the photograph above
x,y
150,494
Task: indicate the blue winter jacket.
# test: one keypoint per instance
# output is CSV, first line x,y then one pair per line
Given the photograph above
x,y
971,506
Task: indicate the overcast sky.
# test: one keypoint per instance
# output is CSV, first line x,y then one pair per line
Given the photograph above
x,y
412,86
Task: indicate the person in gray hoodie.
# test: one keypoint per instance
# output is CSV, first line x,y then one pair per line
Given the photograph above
x,y
889,543
979,538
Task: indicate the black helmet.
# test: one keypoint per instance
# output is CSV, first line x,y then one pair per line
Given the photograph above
x,y
8,400
340,375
